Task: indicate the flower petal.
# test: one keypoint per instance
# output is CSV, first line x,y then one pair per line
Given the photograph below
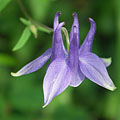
x,y
35,64
87,44
93,68
56,21
55,25
73,57
75,23
57,47
56,80
77,78
107,61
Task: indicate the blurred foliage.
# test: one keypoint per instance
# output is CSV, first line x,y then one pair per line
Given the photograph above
x,y
23,39
22,98
3,4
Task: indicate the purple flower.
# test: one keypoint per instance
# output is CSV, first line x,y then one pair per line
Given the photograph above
x,y
91,66
69,68
58,74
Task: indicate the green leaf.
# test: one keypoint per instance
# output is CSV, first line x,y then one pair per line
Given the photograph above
x,y
3,4
25,21
23,39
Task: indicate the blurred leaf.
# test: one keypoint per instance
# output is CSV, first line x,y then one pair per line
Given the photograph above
x,y
17,117
23,39
118,39
39,8
2,106
118,58
111,105
41,28
3,4
26,95
71,113
25,21
7,60
27,100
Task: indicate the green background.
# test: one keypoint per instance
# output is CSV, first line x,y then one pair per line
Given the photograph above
x,y
22,98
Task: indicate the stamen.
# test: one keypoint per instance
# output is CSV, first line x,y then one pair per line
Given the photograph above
x,y
67,37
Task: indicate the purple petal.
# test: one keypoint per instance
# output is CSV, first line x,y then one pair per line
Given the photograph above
x,y
87,44
56,21
75,23
35,64
77,78
73,56
73,59
93,68
58,48
56,80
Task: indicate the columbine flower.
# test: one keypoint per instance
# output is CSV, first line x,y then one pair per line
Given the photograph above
x,y
58,75
69,68
91,66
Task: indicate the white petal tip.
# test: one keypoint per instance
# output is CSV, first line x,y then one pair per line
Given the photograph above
x,y
15,74
109,60
44,106
112,88
91,20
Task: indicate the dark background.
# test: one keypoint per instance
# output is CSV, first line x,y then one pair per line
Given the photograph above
x,y
22,98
